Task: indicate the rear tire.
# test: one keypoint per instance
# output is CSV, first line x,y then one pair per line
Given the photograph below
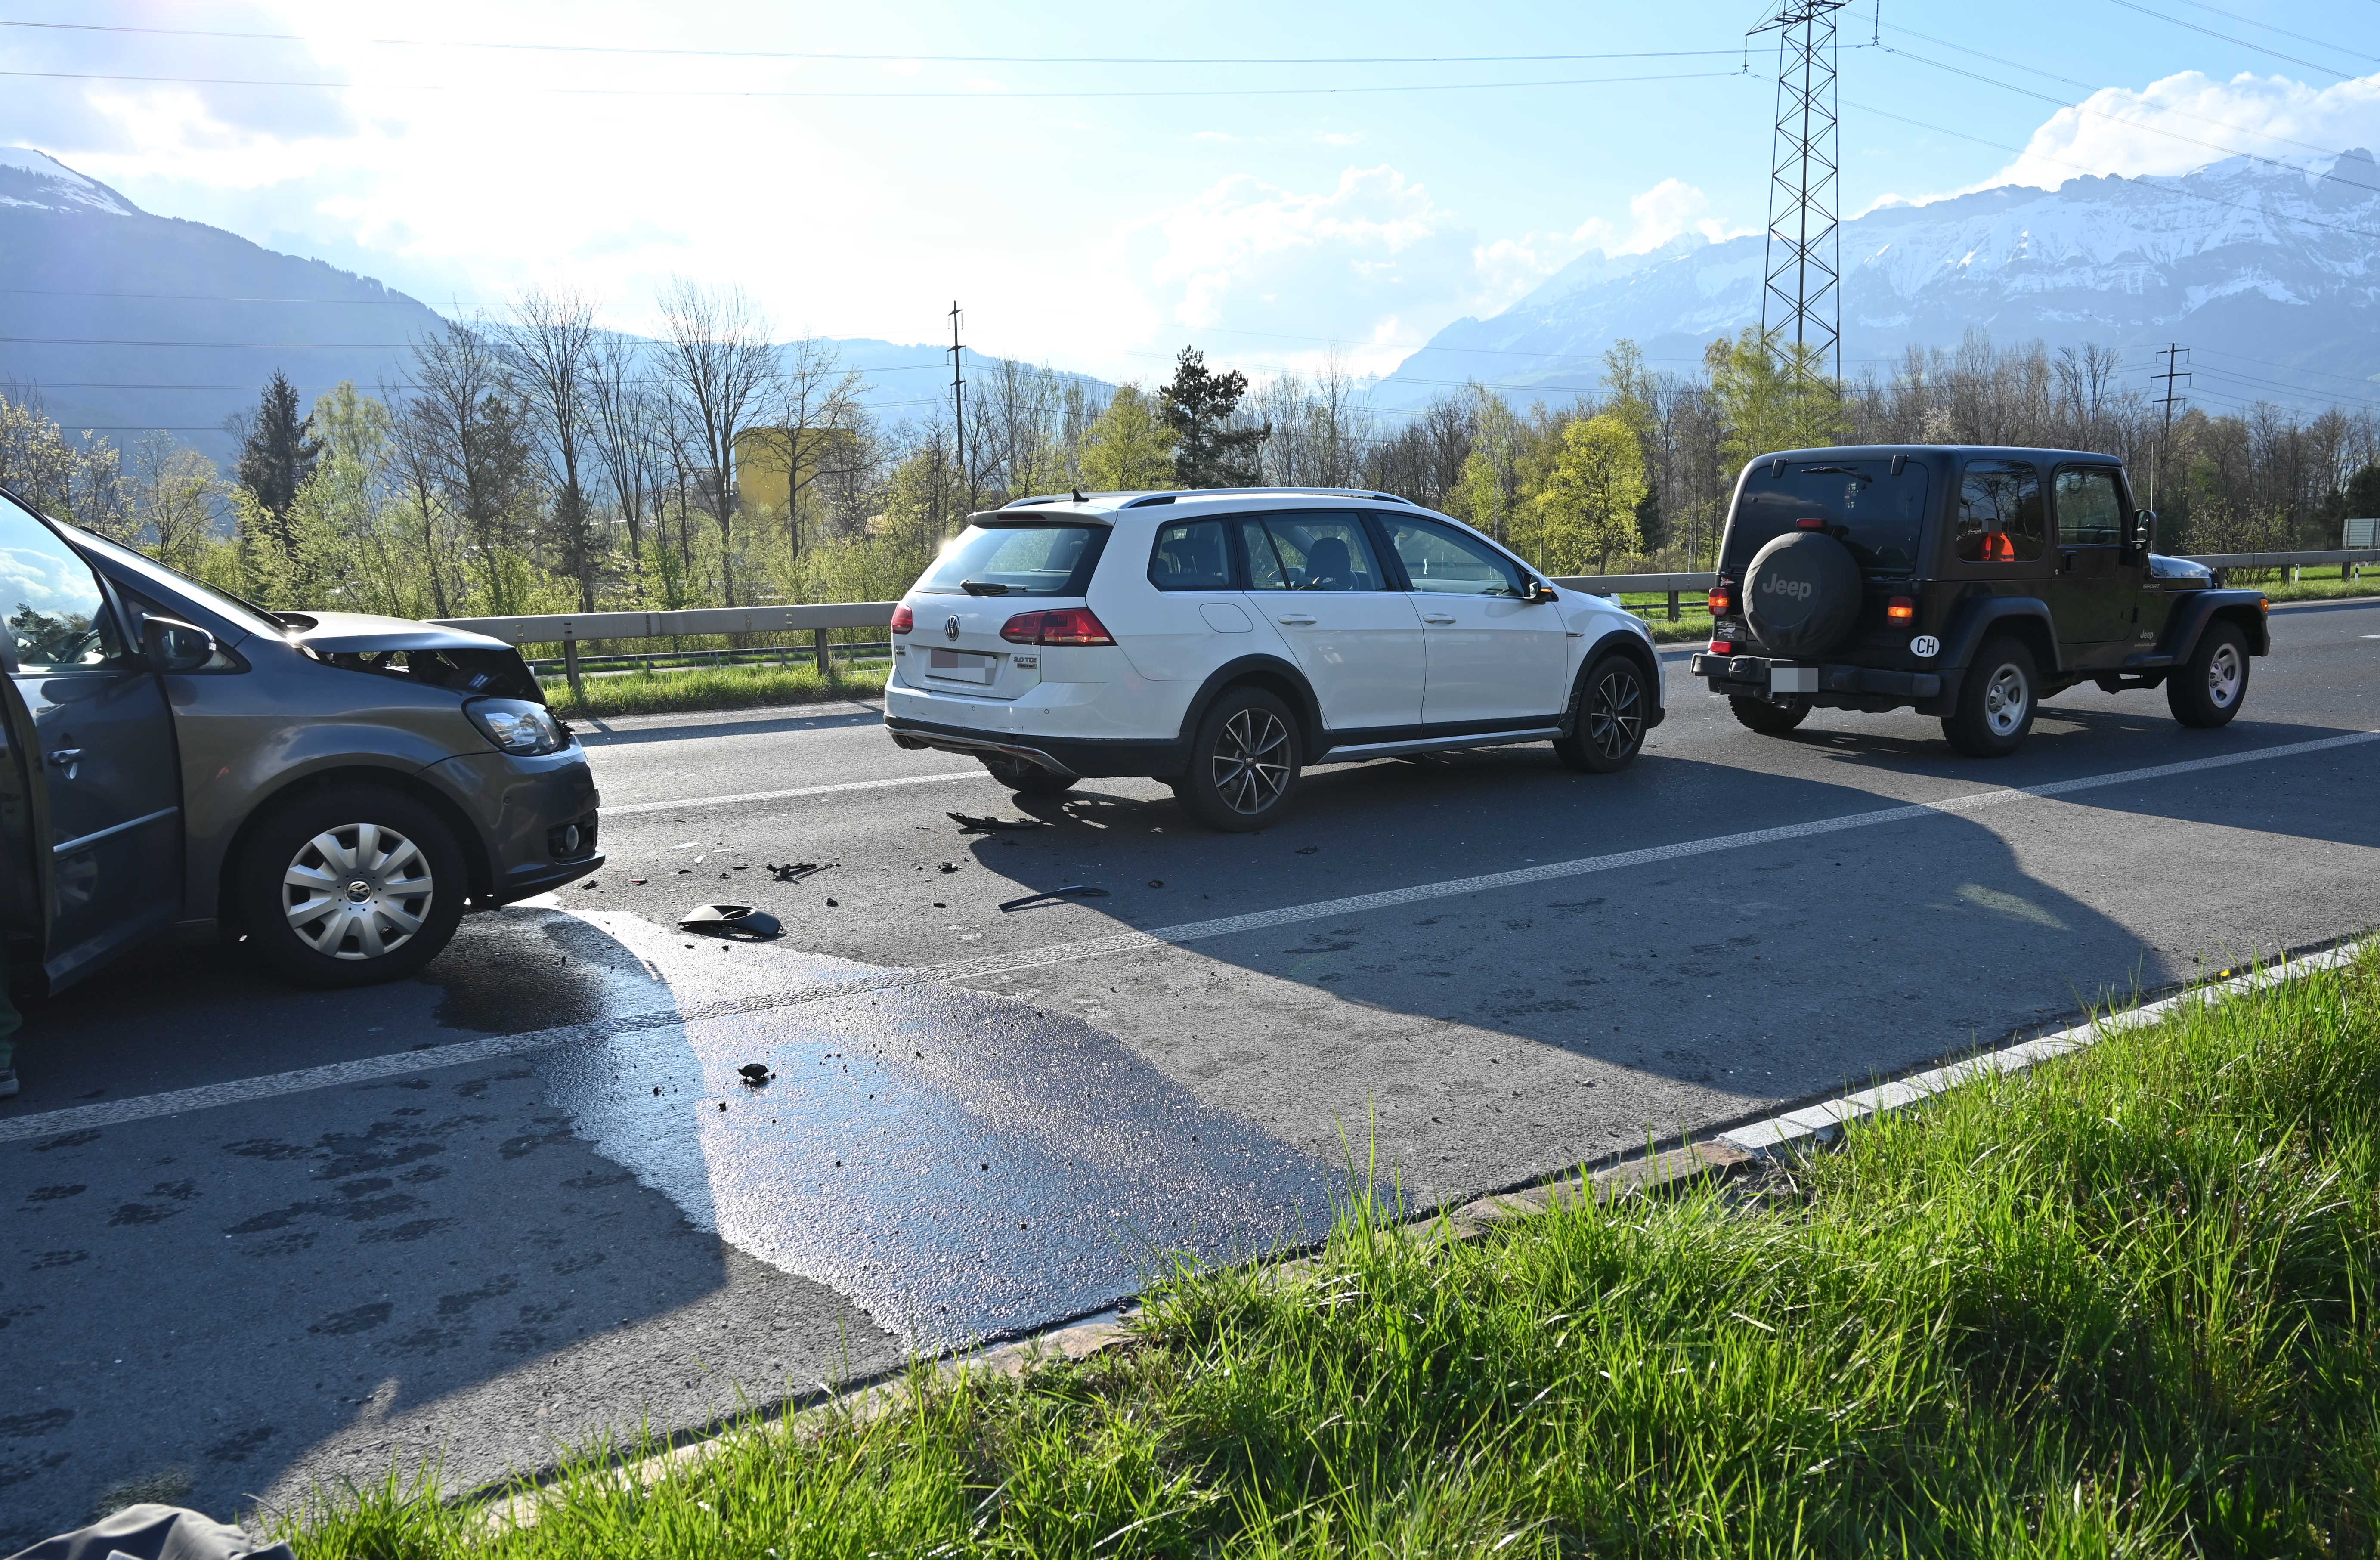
x,y
349,886
1029,779
1998,701
1608,728
1769,720
2206,690
1243,762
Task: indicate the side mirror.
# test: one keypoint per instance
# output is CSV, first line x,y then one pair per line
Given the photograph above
x,y
175,646
2144,531
1539,590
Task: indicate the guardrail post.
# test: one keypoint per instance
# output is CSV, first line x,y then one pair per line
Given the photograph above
x,y
819,651
570,667
1673,606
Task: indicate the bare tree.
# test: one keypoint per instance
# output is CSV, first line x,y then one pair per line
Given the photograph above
x,y
720,370
470,434
548,350
173,491
811,417
627,428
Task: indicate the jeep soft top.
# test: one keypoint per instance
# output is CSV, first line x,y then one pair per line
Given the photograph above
x,y
1963,582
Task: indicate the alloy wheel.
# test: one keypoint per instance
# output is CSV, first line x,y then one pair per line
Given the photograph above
x,y
1615,716
1251,764
2223,676
357,892
2006,699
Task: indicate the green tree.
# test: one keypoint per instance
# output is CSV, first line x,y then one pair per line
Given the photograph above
x,y
1487,489
1587,506
1772,400
1197,406
1129,448
279,451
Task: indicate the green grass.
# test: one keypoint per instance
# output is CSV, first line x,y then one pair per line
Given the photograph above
x,y
2118,1306
712,687
2320,589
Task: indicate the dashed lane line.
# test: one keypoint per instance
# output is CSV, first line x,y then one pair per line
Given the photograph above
x,y
367,1069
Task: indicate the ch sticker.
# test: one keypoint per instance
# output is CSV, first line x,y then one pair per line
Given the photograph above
x,y
1925,645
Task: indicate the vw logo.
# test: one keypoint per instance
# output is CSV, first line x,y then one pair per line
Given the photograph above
x,y
950,627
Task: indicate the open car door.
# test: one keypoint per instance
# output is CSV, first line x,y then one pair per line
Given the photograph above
x,y
24,885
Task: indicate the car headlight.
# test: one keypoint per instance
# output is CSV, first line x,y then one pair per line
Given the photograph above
x,y
517,726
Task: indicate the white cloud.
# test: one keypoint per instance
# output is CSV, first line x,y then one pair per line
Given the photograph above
x,y
1338,138
1510,267
2187,120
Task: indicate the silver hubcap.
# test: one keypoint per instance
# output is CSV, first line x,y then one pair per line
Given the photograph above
x,y
1615,718
1252,761
2223,672
2005,699
357,892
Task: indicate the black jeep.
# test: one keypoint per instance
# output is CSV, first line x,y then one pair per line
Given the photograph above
x,y
1963,582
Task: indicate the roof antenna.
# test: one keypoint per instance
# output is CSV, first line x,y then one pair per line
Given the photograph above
x,y
1078,495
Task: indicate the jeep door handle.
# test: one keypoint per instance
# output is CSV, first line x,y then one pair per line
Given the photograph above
x,y
67,757
1299,622
1436,617
2068,566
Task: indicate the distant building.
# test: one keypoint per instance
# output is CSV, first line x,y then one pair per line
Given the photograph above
x,y
762,455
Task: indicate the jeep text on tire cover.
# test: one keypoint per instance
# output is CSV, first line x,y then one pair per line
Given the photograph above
x,y
1884,576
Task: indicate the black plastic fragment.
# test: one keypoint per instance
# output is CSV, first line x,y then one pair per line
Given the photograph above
x,y
741,922
992,826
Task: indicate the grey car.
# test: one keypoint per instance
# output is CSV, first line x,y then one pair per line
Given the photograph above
x,y
331,789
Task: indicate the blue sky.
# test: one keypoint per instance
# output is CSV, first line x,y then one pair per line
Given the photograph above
x,y
1099,214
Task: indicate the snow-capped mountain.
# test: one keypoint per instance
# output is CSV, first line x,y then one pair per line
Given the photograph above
x,y
2271,272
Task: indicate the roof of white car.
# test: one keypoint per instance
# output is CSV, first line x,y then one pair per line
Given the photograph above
x,y
1105,505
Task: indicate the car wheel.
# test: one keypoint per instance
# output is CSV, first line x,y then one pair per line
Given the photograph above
x,y
2206,690
1769,720
349,886
1609,729
1242,762
1996,702
1029,779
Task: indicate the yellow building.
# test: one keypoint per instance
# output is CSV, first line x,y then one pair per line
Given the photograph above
x,y
763,456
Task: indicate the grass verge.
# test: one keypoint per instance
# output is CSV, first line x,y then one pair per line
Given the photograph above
x,y
712,687
2320,589
2120,1305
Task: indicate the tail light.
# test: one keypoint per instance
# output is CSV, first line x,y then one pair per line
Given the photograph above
x,y
902,619
1810,522
1063,625
1900,609
1722,599
1722,647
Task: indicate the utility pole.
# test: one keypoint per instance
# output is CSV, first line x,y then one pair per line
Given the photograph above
x,y
2171,356
1801,295
958,405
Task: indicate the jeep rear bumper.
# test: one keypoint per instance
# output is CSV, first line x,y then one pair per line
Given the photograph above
x,y
1746,676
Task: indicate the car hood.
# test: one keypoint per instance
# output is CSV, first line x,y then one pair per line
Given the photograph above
x,y
361,633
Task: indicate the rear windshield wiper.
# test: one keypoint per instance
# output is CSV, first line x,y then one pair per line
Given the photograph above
x,y
983,588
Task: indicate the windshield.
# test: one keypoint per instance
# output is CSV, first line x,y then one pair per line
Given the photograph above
x,y
244,615
1017,560
1877,515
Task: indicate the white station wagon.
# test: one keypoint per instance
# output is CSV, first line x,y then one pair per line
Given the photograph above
x,y
1224,640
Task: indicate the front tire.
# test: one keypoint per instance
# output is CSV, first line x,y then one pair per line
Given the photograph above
x,y
1029,779
2207,691
350,886
1243,762
1607,730
1769,720
1996,702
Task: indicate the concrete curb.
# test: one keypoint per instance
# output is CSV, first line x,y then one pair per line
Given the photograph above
x,y
1736,1151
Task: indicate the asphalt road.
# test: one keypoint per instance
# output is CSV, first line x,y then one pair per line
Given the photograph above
x,y
260,1240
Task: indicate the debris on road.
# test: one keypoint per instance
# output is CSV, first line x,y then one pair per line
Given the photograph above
x,y
755,1074
1156,883
793,872
950,865
740,921
992,826
1072,890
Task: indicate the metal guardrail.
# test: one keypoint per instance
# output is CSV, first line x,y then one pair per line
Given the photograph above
x,y
573,630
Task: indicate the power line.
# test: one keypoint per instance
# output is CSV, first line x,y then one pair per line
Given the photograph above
x,y
2271,26
2227,38
656,51
788,95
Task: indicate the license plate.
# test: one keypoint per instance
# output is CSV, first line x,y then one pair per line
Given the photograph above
x,y
958,666
1792,679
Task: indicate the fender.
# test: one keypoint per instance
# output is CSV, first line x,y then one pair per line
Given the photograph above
x,y
1308,709
424,783
1617,642
1975,617
2194,610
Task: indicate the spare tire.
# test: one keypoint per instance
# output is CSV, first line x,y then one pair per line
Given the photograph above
x,y
1802,595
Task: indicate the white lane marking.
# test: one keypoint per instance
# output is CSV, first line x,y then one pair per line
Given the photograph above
x,y
797,792
242,1091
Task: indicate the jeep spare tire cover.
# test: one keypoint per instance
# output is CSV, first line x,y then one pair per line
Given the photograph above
x,y
1802,594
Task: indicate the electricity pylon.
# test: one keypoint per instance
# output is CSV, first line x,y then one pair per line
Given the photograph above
x,y
1801,296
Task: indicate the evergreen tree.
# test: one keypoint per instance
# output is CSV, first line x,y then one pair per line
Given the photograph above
x,y
280,451
1208,451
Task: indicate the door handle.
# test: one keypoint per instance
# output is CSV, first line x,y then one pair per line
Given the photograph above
x,y
1299,622
2068,566
66,758
1436,617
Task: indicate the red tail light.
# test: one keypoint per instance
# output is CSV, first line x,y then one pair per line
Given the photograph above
x,y
1064,625
1810,522
1900,609
1722,599
1722,647
902,620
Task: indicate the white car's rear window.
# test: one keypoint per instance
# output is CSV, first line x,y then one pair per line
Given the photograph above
x,y
1017,560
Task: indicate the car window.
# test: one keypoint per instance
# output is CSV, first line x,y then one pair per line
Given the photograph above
x,y
1442,561
2000,517
1264,563
1321,551
2090,510
1020,559
1190,557
50,601
1875,507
